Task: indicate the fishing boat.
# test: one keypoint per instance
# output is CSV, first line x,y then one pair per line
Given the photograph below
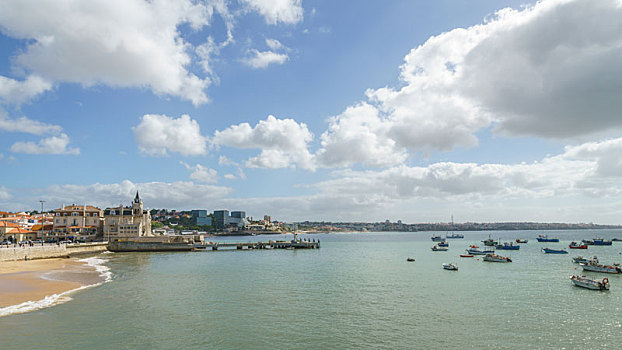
x,y
582,281
601,241
466,255
439,249
496,258
455,235
554,251
442,244
587,241
596,267
476,251
450,266
508,246
581,260
575,245
436,238
518,240
490,242
545,238
410,259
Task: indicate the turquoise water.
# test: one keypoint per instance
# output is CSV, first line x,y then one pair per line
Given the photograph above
x,y
357,291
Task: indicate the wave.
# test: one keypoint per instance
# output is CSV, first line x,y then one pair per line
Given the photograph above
x,y
61,298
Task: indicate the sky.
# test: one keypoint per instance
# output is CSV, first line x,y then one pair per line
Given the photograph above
x,y
487,110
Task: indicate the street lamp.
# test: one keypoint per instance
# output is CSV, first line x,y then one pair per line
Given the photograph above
x,y
42,218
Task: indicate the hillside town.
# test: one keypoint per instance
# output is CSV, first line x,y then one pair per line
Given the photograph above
x,y
87,223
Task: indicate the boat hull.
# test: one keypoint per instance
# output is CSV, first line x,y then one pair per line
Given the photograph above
x,y
603,269
584,282
554,251
547,239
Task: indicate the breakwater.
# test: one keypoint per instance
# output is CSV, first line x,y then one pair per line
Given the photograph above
x,y
48,251
152,246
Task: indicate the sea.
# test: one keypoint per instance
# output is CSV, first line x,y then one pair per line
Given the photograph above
x,y
356,292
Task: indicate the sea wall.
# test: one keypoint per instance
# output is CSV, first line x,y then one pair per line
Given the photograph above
x,y
49,251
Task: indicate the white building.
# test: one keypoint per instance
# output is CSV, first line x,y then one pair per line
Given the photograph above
x,y
127,222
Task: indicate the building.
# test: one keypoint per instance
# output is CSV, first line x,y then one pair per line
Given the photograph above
x,y
127,222
200,218
81,222
223,220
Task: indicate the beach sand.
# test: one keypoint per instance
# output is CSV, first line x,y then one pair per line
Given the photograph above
x,y
32,280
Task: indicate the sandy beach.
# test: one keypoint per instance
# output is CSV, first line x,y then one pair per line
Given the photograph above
x,y
22,281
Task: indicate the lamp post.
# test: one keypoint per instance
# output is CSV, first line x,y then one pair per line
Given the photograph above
x,y
42,218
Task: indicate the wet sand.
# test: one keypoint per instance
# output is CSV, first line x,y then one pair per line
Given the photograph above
x,y
22,281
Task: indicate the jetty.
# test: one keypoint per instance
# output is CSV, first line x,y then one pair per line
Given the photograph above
x,y
293,244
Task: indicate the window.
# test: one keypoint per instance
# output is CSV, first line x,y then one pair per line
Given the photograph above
x,y
74,214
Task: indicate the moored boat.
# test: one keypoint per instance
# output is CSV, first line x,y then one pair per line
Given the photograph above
x,y
443,244
596,267
601,241
436,238
575,245
439,249
450,266
554,251
496,258
490,242
582,281
455,235
508,246
466,255
518,240
581,260
410,259
476,251
545,238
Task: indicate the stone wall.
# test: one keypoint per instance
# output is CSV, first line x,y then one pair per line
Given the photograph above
x,y
49,251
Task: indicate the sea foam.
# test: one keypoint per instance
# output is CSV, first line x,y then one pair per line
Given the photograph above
x,y
55,299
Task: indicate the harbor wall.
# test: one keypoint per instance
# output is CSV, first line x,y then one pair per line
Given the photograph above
x,y
49,251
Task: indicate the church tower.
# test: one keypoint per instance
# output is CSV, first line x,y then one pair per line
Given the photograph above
x,y
137,206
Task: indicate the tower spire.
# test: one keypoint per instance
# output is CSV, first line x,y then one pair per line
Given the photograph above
x,y
137,198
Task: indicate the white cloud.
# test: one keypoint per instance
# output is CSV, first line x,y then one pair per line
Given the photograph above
x,y
120,43
275,11
156,135
529,72
274,44
359,135
51,145
283,142
262,59
4,194
201,173
26,125
179,194
17,92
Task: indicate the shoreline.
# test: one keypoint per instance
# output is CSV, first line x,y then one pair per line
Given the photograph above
x,y
35,284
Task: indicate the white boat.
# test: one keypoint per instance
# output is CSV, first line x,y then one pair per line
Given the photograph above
x,y
450,266
436,238
581,260
582,281
439,249
596,267
496,258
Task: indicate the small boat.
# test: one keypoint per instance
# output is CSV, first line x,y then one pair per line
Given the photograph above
x,y
582,260
518,240
476,251
455,235
490,242
436,238
496,258
601,241
439,249
575,245
410,259
582,281
616,240
508,246
466,255
545,238
596,267
554,251
450,266
587,241
443,244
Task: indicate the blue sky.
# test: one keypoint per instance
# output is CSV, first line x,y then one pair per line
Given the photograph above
x,y
411,110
